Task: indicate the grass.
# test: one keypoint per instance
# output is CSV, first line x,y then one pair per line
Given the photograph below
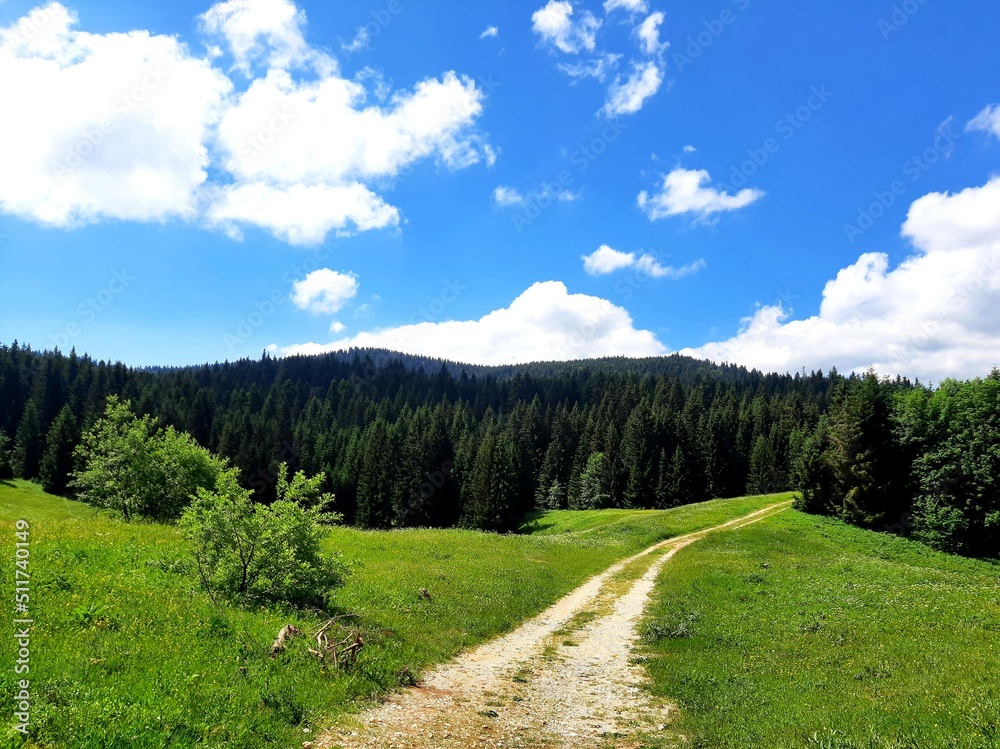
x,y
126,650
804,632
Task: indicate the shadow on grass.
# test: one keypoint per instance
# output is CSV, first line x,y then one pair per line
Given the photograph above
x,y
532,523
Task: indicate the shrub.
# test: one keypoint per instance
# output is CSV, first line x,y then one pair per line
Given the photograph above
x,y
254,553
128,466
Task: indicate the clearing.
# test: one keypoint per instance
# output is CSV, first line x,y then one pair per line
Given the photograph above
x,y
564,678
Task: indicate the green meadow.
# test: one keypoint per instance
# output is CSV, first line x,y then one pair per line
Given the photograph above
x,y
128,652
805,632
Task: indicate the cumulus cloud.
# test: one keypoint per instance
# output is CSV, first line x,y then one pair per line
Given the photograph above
x,y
269,31
276,139
133,126
544,323
325,291
300,214
117,125
648,33
490,32
629,96
630,6
605,260
987,121
932,316
690,191
556,25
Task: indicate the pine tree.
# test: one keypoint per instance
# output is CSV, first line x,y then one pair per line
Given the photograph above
x,y
375,483
492,487
6,472
29,443
57,462
594,493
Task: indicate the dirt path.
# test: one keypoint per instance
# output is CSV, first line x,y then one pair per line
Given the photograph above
x,y
563,679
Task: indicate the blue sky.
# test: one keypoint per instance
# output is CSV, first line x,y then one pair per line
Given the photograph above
x,y
420,175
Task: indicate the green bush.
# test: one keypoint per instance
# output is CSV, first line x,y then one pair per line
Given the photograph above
x,y
126,465
256,553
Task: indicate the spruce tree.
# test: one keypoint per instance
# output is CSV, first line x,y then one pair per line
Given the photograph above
x,y
29,443
57,461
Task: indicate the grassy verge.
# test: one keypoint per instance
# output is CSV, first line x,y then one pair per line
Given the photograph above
x,y
127,651
804,632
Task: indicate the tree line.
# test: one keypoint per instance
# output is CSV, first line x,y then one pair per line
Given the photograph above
x,y
409,441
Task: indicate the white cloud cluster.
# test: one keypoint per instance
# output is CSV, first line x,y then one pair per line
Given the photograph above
x,y
690,191
102,126
324,291
556,25
490,32
932,316
605,260
987,121
134,126
267,31
544,323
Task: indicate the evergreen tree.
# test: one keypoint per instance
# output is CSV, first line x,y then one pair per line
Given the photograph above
x,y
57,462
594,493
29,443
492,486
375,482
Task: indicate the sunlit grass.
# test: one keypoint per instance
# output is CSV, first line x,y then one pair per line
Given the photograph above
x,y
804,632
128,652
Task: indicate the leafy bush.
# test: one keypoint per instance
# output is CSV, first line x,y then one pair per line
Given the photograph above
x,y
252,552
128,466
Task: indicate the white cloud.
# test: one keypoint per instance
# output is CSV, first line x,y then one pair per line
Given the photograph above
x,y
337,327
269,31
630,6
131,126
325,291
490,32
507,196
555,24
102,126
689,149
598,67
360,41
300,214
605,260
689,191
932,316
649,35
544,323
987,121
629,97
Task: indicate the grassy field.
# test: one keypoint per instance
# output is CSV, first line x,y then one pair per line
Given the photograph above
x,y
127,652
804,632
